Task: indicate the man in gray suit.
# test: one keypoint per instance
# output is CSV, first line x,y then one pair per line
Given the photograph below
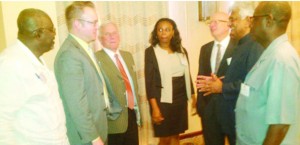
x,y
118,65
81,84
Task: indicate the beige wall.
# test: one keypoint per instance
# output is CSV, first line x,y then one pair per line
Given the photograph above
x,y
11,11
2,35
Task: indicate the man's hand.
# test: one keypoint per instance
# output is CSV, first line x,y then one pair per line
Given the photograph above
x,y
98,141
209,84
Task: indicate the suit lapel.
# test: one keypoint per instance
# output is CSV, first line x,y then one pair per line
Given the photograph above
x,y
207,58
81,50
110,64
228,53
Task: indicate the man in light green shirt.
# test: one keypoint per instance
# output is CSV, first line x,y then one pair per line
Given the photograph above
x,y
267,110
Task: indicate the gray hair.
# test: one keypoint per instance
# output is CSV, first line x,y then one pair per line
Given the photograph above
x,y
104,23
246,8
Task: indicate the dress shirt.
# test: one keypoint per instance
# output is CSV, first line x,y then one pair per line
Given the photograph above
x,y
224,43
31,111
270,95
111,54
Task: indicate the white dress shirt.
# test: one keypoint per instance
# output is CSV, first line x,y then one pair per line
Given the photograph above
x,y
31,111
224,43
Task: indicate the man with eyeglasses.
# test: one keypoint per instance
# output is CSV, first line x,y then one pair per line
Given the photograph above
x,y
31,111
267,110
214,59
245,56
81,84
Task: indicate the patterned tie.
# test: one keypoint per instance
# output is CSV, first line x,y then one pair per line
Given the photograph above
x,y
127,83
218,58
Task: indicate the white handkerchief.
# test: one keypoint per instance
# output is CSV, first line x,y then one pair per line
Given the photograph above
x,y
245,90
228,60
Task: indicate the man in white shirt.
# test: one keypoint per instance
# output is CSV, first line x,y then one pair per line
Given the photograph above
x,y
31,111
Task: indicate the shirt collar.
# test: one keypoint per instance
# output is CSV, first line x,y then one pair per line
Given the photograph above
x,y
83,44
36,61
111,53
224,42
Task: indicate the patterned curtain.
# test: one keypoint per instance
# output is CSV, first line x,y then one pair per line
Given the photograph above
x,y
135,21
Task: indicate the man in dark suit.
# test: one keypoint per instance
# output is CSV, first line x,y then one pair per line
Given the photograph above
x,y
245,56
81,84
214,59
119,67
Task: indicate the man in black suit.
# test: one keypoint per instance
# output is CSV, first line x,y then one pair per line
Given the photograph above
x,y
214,59
245,56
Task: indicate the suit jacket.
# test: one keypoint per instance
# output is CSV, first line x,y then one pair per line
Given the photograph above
x,y
209,103
80,88
152,75
245,56
118,87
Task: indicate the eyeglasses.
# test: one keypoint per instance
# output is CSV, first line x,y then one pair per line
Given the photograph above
x,y
208,22
258,16
94,23
52,30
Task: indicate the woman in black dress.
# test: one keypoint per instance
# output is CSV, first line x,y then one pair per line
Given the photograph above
x,y
168,82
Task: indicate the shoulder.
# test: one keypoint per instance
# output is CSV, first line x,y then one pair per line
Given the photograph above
x,y
207,45
127,53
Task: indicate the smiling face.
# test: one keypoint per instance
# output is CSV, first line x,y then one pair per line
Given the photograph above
x,y
239,26
109,36
165,32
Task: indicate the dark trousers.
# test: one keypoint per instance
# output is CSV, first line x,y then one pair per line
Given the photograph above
x,y
130,137
215,131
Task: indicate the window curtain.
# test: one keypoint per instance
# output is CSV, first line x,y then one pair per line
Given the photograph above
x,y
135,20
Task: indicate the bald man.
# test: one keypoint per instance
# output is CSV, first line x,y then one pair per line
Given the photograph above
x,y
214,59
267,110
31,111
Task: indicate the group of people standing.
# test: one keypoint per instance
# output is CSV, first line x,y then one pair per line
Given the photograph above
x,y
247,84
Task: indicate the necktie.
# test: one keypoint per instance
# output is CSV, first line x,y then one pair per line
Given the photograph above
x,y
218,58
130,98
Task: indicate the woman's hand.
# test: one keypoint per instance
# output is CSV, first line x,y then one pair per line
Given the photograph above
x,y
157,117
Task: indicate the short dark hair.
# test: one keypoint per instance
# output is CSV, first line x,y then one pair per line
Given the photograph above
x,y
175,41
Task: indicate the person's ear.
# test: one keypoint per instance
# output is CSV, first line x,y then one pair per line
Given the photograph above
x,y
36,34
270,20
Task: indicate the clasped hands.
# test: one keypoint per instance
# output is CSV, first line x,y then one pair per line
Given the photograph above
x,y
209,84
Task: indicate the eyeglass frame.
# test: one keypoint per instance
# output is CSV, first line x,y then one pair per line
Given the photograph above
x,y
90,22
258,16
52,30
208,22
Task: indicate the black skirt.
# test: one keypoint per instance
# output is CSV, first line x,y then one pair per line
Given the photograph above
x,y
175,114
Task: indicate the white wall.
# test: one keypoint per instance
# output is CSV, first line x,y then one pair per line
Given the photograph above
x,y
11,11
